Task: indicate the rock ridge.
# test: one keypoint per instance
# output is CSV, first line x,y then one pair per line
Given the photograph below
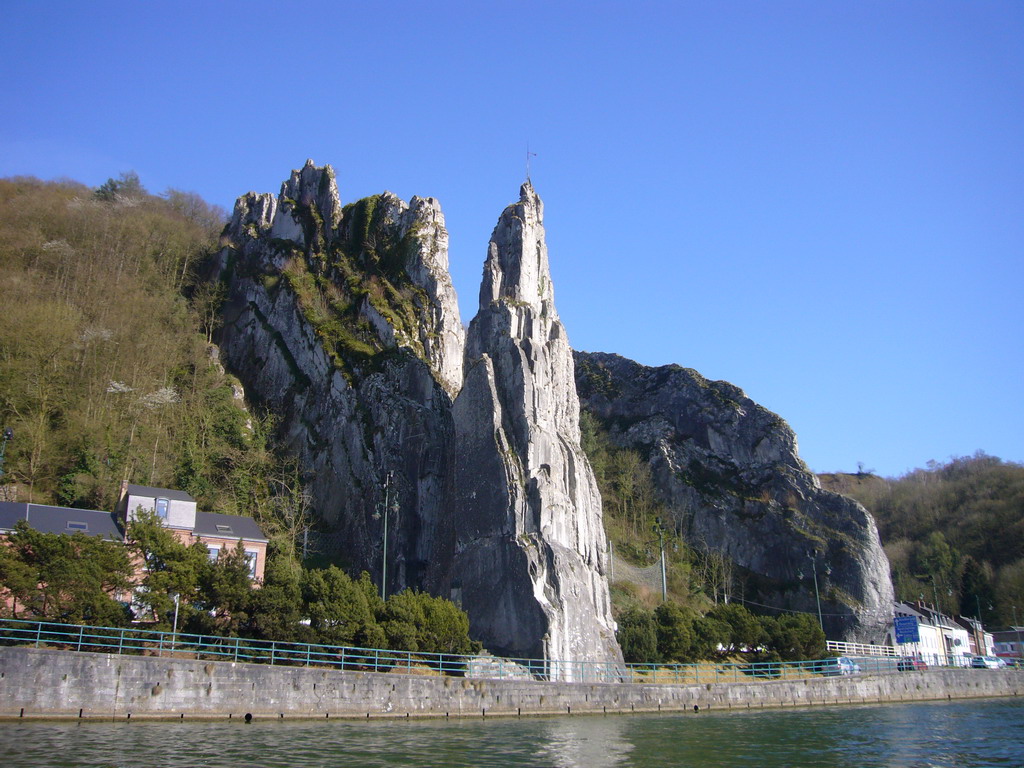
x,y
730,473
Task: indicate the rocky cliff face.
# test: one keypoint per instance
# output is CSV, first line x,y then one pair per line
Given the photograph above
x,y
343,322
530,550
729,472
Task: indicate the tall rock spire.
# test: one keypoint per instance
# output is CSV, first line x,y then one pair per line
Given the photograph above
x,y
530,551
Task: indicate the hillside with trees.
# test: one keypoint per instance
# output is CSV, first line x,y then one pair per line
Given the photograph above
x,y
954,533
107,373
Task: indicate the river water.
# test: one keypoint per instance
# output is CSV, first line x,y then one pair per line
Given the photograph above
x,y
958,734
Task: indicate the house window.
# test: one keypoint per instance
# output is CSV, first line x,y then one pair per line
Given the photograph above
x,y
162,505
214,553
251,556
74,526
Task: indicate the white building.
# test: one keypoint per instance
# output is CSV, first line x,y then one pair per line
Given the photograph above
x,y
942,642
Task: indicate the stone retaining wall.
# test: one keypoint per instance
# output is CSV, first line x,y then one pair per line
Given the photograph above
x,y
49,683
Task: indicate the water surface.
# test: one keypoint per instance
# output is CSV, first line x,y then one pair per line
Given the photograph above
x,y
958,734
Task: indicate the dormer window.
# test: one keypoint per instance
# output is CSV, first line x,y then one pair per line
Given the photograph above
x,y
162,506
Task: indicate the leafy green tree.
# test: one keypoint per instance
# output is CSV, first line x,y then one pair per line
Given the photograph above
x,y
794,637
68,578
638,636
710,634
126,186
400,618
171,568
276,607
225,594
745,631
977,595
444,628
342,611
19,578
675,633
939,566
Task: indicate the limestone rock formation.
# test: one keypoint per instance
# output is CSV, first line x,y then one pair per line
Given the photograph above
x,y
530,551
729,472
343,322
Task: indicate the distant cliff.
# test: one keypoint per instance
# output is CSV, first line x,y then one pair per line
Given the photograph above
x,y
729,472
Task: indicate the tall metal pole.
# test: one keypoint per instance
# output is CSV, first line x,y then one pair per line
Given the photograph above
x,y
817,596
384,567
664,580
1020,651
174,632
979,631
939,624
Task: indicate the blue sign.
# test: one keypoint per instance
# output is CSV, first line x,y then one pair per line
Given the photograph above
x,y
906,629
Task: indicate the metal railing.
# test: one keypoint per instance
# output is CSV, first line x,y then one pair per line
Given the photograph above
x,y
148,642
859,649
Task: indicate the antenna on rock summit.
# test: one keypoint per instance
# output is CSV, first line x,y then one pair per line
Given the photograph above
x,y
529,154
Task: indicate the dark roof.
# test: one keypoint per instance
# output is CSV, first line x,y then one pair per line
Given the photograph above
x,y
158,493
907,609
227,526
46,519
10,513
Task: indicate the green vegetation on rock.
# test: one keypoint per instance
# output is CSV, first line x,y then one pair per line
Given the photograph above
x,y
343,278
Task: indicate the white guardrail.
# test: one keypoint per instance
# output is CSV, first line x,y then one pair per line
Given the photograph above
x,y
860,649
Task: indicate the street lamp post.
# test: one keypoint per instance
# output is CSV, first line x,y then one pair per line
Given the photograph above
x,y
384,554
1016,629
174,631
813,556
664,580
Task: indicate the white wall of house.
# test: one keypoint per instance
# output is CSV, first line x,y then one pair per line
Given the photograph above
x,y
958,641
931,647
180,514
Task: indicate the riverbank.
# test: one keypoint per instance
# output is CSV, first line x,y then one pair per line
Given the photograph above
x,y
67,684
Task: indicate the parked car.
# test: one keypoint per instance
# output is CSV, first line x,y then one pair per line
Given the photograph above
x,y
840,665
987,662
1013,661
911,664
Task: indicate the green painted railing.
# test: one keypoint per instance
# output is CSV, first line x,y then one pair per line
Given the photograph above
x,y
139,641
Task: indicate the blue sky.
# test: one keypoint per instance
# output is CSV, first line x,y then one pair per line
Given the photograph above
x,y
820,202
